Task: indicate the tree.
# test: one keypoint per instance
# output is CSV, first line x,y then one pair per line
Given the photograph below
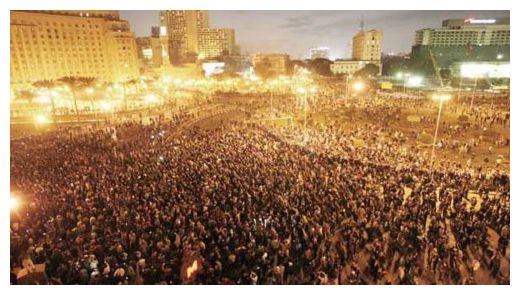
x,y
47,85
292,64
26,95
263,68
320,66
75,83
445,74
395,64
368,70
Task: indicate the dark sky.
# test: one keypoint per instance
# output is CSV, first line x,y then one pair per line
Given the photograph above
x,y
295,32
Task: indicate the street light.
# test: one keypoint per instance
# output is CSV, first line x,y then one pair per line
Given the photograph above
x,y
414,81
151,98
13,203
303,91
441,97
90,91
358,86
41,119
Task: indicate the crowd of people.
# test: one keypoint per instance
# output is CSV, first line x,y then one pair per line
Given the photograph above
x,y
249,204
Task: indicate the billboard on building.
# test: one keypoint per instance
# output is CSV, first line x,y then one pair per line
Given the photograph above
x,y
484,70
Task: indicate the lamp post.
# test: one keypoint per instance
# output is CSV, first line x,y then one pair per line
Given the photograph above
x,y
347,80
441,98
90,92
305,92
473,94
14,203
271,94
406,77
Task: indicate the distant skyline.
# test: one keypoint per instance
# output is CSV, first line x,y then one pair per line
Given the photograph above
x,y
296,32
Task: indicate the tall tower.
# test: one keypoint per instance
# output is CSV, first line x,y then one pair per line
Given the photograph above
x,y
366,45
183,28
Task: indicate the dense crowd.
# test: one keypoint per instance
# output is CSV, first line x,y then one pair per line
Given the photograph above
x,y
249,204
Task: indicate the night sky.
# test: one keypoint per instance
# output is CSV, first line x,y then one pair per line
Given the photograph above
x,y
295,32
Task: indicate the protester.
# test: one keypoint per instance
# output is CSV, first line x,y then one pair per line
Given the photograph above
x,y
248,204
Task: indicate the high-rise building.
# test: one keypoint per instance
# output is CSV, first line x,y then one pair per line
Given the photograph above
x,y
153,50
183,28
366,45
461,32
149,50
366,49
460,44
320,52
50,44
216,42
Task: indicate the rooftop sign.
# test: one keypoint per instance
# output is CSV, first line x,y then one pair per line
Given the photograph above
x,y
480,21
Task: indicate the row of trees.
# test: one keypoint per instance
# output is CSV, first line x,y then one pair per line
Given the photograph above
x,y
76,84
319,66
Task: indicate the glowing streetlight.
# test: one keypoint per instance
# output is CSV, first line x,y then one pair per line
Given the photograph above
x,y
358,86
414,81
106,106
41,119
13,203
44,98
441,97
89,90
151,98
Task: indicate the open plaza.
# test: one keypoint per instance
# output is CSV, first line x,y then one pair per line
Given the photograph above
x,y
283,178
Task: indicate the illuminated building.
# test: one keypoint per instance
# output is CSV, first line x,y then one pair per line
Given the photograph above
x,y
216,43
149,51
349,67
276,63
153,51
462,32
183,29
48,45
366,45
461,41
320,52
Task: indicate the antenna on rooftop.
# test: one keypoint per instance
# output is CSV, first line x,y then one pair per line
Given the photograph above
x,y
362,24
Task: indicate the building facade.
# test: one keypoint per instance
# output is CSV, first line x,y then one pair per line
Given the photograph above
x,y
183,29
149,51
48,45
461,41
367,45
216,43
153,50
350,67
462,32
